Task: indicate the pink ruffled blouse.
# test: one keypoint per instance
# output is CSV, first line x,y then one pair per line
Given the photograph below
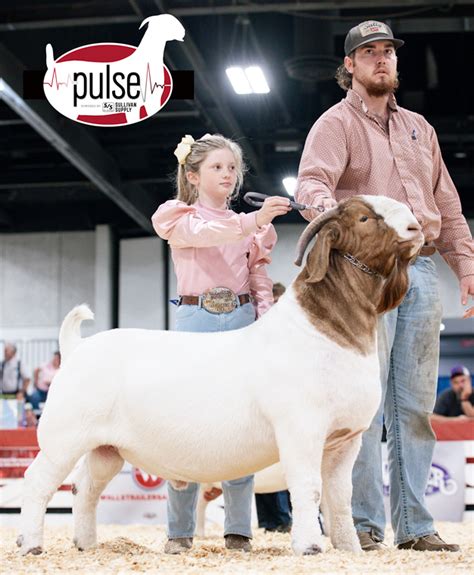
x,y
217,248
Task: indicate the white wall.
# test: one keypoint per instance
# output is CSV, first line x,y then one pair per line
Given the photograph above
x,y
42,276
282,269
141,283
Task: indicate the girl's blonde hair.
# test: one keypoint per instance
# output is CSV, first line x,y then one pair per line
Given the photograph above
x,y
187,192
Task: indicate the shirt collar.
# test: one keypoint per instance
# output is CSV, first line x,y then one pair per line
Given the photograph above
x,y
357,102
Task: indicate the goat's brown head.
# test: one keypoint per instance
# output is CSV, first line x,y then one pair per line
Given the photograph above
x,y
380,232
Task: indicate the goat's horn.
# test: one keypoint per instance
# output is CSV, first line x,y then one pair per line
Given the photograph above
x,y
310,231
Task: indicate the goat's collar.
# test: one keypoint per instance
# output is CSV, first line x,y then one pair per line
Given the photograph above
x,y
360,265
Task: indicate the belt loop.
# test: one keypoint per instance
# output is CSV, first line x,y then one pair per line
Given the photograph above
x,y
199,301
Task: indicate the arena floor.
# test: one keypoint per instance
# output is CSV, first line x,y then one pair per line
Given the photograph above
x,y
138,549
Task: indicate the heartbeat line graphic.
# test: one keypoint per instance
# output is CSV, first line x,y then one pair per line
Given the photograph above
x,y
153,85
150,85
54,80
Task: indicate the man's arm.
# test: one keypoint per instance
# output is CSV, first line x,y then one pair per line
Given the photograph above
x,y
466,402
455,242
467,408
323,161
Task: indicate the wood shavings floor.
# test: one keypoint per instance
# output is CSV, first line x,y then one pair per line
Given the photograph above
x,y
138,549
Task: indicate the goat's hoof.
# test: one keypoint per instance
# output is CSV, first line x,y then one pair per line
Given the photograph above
x,y
76,544
19,540
84,543
34,551
313,550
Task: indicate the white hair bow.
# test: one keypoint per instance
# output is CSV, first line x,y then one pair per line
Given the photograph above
x,y
183,149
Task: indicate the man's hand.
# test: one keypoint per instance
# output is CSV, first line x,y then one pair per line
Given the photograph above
x,y
466,286
326,203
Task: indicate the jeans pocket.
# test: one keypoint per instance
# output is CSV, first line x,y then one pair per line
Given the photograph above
x,y
249,310
186,311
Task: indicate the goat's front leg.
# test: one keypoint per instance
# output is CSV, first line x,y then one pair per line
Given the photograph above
x,y
337,479
301,462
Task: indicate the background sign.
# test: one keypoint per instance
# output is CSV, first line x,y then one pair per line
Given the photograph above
x,y
444,495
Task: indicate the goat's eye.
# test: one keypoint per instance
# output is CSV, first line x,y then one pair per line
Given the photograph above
x,y
364,218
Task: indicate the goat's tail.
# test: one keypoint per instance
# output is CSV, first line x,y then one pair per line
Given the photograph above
x,y
70,332
49,56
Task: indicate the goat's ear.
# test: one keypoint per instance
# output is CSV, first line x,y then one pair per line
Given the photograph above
x,y
318,259
395,287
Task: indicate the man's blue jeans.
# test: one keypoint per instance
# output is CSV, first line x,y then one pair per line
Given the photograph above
x,y
408,344
238,493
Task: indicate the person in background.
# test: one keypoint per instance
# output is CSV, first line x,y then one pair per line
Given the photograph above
x,y
42,378
14,379
220,259
368,144
458,401
274,509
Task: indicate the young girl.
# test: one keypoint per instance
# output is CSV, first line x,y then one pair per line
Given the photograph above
x,y
219,258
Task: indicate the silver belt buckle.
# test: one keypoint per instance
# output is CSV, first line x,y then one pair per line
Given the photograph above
x,y
219,300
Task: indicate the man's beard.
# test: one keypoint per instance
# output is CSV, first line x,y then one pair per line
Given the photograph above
x,y
379,89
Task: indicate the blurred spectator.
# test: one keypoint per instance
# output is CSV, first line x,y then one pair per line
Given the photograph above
x,y
278,290
458,401
14,379
273,511
43,376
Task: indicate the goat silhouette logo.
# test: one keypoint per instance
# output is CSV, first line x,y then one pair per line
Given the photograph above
x,y
145,480
114,84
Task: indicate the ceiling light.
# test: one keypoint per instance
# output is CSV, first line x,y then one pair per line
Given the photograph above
x,y
290,185
460,155
442,327
249,81
287,146
239,81
257,80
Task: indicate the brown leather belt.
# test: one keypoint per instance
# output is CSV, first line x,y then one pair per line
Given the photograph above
x,y
194,299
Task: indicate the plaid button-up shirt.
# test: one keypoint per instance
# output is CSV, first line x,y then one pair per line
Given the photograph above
x,y
350,151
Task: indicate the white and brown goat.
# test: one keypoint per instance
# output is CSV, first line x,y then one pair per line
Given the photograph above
x,y
178,405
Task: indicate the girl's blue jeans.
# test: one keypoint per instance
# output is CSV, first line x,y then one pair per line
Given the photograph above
x,y
238,493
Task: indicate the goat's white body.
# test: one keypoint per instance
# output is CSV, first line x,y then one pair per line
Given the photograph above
x,y
204,407
159,397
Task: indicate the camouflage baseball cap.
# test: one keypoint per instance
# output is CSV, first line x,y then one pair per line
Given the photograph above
x,y
369,31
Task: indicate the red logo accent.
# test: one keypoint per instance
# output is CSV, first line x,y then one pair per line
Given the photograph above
x,y
98,53
146,481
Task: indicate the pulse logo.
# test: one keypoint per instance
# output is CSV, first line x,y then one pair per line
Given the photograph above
x,y
114,84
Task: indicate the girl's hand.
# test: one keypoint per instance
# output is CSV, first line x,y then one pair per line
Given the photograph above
x,y
272,207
